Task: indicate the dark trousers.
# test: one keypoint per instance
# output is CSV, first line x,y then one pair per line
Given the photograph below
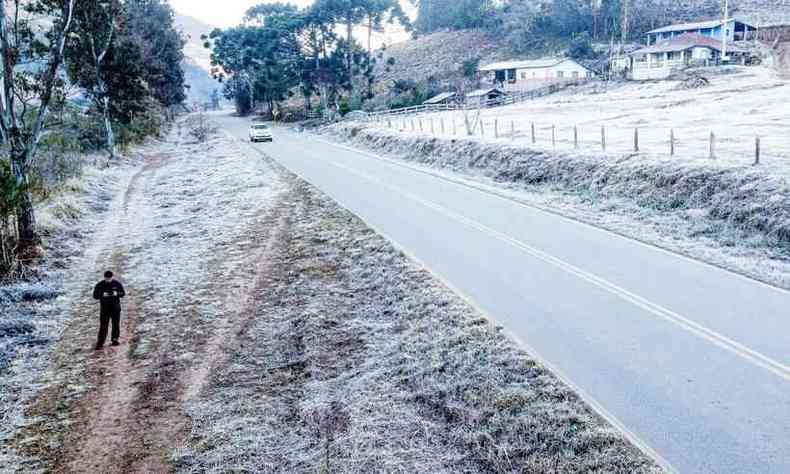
x,y
105,322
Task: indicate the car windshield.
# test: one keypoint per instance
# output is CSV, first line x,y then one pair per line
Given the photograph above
x,y
259,127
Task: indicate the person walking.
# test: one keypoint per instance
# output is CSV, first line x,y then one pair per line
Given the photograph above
x,y
109,293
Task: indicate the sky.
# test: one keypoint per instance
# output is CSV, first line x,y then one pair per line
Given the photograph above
x,y
221,13
224,13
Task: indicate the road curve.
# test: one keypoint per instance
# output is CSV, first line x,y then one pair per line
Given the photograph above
x,y
691,361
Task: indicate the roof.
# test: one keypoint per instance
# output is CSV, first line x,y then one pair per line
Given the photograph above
x,y
700,25
440,98
528,64
682,43
484,92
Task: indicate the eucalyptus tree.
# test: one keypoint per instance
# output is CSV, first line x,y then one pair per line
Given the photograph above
x,y
29,76
95,31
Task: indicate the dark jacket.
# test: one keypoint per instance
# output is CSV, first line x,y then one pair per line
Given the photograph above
x,y
109,294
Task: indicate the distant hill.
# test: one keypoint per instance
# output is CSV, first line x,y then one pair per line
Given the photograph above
x,y
764,12
438,55
197,63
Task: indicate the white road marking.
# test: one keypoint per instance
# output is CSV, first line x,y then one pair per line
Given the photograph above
x,y
482,189
591,401
720,340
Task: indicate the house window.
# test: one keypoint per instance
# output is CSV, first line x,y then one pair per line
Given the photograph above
x,y
523,75
575,74
511,76
560,74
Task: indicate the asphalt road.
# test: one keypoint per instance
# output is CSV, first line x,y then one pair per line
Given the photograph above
x,y
690,360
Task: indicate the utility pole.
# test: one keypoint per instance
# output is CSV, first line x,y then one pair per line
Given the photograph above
x,y
724,31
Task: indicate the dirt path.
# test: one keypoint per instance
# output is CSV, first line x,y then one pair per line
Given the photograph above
x,y
190,242
268,330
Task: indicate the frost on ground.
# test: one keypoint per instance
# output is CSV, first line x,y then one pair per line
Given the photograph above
x,y
358,361
740,104
34,311
267,330
724,211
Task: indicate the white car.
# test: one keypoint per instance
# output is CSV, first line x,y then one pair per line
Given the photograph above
x,y
260,133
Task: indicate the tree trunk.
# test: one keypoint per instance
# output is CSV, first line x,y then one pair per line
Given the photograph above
x,y
349,39
370,36
108,127
28,238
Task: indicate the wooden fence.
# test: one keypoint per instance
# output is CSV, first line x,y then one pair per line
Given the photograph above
x,y
510,99
628,140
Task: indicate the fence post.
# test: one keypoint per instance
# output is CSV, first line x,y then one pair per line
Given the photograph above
x,y
441,120
482,129
533,133
455,127
432,130
389,123
671,142
553,137
575,137
756,150
496,128
712,146
603,138
420,121
412,125
636,140
512,130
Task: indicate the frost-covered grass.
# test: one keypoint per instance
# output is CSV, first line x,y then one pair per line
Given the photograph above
x,y
34,311
723,211
739,104
358,360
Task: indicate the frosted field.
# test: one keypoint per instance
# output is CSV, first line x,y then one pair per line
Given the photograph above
x,y
740,104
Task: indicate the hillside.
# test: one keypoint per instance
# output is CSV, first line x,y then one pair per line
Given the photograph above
x,y
439,55
764,12
198,59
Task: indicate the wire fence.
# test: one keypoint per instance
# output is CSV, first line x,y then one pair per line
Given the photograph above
x,y
512,97
688,142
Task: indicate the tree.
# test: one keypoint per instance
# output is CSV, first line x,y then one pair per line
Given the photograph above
x,y
95,30
375,13
29,64
151,25
433,15
581,47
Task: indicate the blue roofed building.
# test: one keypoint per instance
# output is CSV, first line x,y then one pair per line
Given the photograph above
x,y
735,30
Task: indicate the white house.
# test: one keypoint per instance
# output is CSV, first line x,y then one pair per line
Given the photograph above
x,y
661,59
533,74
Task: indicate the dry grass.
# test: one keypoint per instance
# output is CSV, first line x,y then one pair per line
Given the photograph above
x,y
359,361
728,213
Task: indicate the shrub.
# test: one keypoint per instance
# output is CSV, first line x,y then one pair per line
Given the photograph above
x,y
9,200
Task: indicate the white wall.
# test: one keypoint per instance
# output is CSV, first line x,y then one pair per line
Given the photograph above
x,y
532,78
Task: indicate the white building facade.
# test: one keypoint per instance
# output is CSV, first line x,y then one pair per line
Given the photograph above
x,y
528,75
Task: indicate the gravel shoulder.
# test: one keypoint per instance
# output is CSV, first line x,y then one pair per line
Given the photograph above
x,y
266,329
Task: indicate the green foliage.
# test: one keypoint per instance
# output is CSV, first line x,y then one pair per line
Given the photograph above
x,y
10,199
581,47
151,26
534,27
434,15
469,67
9,191
344,108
